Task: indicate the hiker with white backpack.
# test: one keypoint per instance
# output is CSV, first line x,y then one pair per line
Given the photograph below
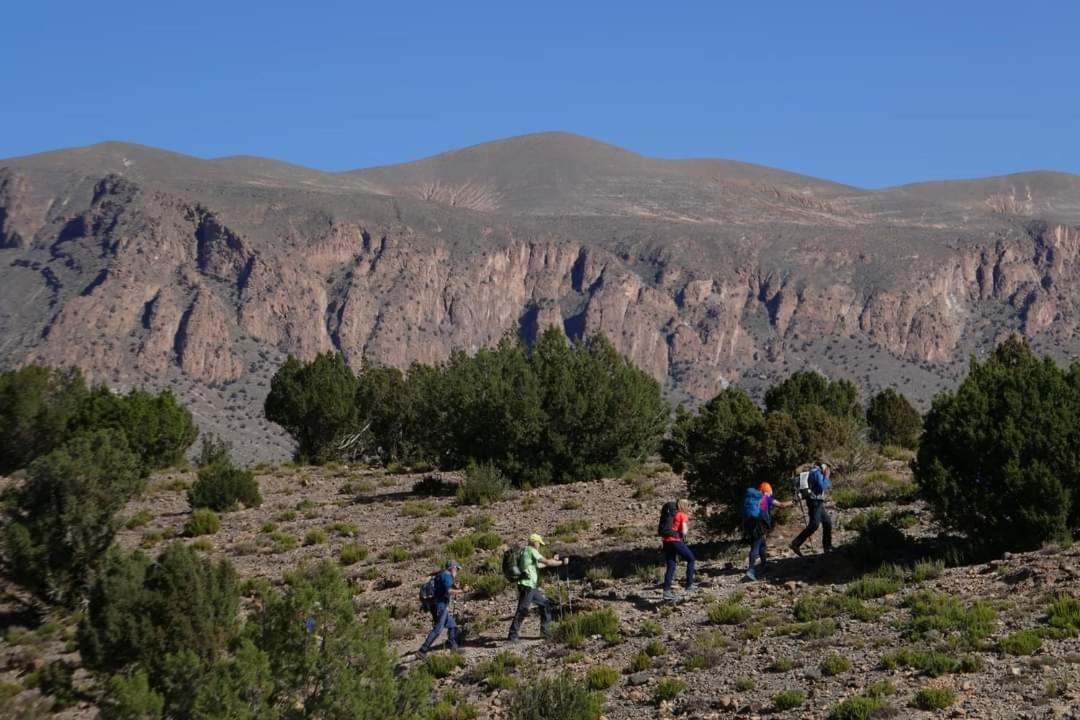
x,y
817,486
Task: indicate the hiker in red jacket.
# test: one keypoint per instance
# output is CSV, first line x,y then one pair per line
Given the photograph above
x,y
675,547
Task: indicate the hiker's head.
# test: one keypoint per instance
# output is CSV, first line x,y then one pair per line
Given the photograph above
x,y
765,488
452,567
682,505
825,468
536,541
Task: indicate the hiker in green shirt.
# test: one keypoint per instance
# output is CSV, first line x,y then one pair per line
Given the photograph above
x,y
528,593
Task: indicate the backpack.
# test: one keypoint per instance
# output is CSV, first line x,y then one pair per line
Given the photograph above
x,y
802,485
427,592
751,505
511,563
666,527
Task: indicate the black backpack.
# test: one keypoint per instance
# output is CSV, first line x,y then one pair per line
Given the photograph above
x,y
666,527
511,563
427,593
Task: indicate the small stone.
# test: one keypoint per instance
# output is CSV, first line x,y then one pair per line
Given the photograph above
x,y
727,702
637,696
968,686
1015,671
637,679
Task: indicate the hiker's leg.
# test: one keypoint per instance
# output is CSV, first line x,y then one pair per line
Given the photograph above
x,y
524,600
812,525
755,550
451,631
543,609
686,554
440,614
826,528
669,555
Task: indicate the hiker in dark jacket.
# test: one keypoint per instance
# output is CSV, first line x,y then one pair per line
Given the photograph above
x,y
815,502
758,530
675,547
441,617
529,593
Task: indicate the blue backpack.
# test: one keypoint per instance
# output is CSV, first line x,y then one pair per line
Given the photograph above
x,y
751,504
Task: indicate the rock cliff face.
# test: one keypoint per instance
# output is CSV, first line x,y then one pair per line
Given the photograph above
x,y
144,269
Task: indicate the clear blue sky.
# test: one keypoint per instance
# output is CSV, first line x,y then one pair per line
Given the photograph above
x,y
868,93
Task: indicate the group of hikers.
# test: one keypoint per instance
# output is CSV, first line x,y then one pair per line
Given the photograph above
x,y
522,565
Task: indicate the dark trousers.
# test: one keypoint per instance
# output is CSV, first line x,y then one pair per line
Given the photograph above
x,y
673,550
441,618
527,597
759,535
818,517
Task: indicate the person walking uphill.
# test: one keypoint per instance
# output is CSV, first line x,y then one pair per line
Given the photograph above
x,y
437,594
758,528
675,546
815,501
528,593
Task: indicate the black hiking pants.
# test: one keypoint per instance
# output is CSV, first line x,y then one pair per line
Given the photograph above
x,y
527,597
818,518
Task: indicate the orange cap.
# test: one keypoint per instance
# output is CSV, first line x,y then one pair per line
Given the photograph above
x,y
766,488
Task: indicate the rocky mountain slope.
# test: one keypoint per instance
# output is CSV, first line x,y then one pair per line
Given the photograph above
x,y
149,268
769,637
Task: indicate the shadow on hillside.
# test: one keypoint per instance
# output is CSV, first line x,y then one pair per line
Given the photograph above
x,y
401,496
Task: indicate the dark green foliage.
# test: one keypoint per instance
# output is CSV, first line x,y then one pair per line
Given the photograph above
x,y
483,484
238,687
36,404
576,629
934,698
222,487
788,699
157,427
1022,642
65,517
601,677
859,707
1064,615
440,665
202,521
214,451
173,617
316,404
893,420
130,697
667,689
54,680
834,665
1000,457
839,398
555,698
386,405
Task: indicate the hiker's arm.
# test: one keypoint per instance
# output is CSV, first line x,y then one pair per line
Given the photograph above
x,y
554,561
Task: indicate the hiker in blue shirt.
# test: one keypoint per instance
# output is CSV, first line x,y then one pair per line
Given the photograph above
x,y
819,485
440,608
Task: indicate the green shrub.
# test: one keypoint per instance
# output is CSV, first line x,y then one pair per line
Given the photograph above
x,y
928,570
601,677
55,680
834,664
480,522
640,662
489,585
655,648
931,662
64,517
813,630
728,612
130,697
315,403
667,689
352,553
894,452
285,516
650,629
139,519
934,698
222,487
496,673
36,406
972,461
202,522
485,540
745,683
1024,642
398,554
460,548
788,699
859,707
879,688
1064,615
315,536
344,529
892,419
484,484
417,508
440,665
202,545
555,698
936,611
574,630
869,588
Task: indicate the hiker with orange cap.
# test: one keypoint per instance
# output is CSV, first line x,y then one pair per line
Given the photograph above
x,y
758,524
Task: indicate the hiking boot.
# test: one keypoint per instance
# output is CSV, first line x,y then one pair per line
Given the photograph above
x,y
795,549
422,652
751,575
668,595
691,589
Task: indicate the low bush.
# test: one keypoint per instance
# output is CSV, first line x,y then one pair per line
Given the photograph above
x,y
222,487
440,665
601,677
640,662
1064,615
343,529
555,698
745,683
1023,642
352,553
485,540
202,522
927,570
788,699
496,673
574,630
945,614
315,536
934,698
655,648
650,628
834,665
139,519
859,707
460,548
729,612
781,665
667,689
870,588
484,484
480,522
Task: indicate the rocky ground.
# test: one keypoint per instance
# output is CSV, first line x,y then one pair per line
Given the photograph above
x,y
736,645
